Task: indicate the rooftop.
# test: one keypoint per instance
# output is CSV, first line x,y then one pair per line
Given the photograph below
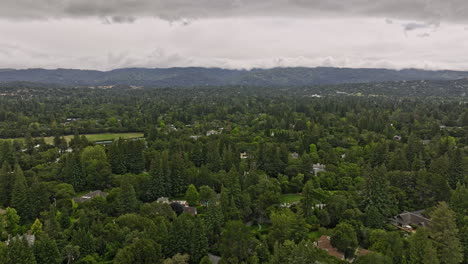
x,y
90,196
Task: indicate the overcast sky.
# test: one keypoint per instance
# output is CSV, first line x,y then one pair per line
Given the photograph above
x,y
109,34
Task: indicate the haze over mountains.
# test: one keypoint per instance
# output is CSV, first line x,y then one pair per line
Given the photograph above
x,y
175,77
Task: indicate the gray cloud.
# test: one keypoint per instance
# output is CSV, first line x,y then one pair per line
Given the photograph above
x,y
426,10
272,42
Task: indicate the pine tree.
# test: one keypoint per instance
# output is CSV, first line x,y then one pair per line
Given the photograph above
x,y
38,199
19,252
377,192
84,240
177,174
421,249
46,251
157,186
188,236
51,225
214,221
308,200
127,200
73,172
445,234
135,159
456,169
117,157
6,184
19,195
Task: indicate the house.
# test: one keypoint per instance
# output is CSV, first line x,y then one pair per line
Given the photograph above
x,y
316,168
324,243
214,259
195,137
30,238
190,210
288,205
426,142
320,206
2,211
163,200
211,132
89,196
408,219
295,155
397,138
181,202
244,155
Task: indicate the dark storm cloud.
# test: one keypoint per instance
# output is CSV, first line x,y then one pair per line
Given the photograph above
x,y
427,10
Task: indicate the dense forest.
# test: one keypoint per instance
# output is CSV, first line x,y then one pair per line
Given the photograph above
x,y
323,174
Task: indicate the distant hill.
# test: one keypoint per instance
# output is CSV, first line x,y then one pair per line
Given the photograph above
x,y
173,77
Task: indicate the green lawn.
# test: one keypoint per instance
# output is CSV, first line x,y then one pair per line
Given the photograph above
x,y
99,137
290,198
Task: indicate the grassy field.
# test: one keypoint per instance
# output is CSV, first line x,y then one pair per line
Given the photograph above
x,y
290,198
99,137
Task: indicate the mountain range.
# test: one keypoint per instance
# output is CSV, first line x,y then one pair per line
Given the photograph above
x,y
192,77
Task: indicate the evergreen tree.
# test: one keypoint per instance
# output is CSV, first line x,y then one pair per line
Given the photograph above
x,y
10,222
214,221
19,252
46,251
6,184
244,242
38,198
188,236
445,234
421,249
51,225
127,201
3,253
73,171
20,195
228,205
158,185
308,202
377,192
84,240
456,170
459,200
177,174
